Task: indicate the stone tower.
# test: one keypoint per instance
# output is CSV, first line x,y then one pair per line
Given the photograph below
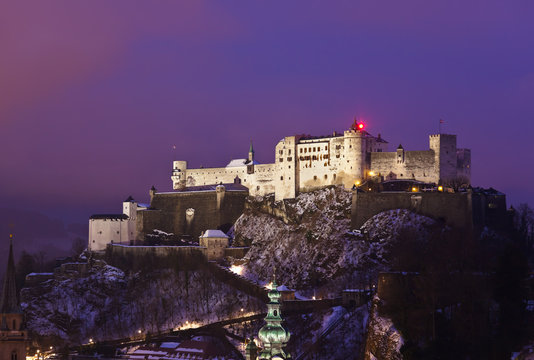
x,y
444,147
179,175
273,336
13,334
354,150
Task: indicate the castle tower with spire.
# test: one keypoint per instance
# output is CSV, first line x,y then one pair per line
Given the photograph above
x,y
13,333
273,335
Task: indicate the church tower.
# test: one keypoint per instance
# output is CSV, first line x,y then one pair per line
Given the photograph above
x,y
13,334
272,335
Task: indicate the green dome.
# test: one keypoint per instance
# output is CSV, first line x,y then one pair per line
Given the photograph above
x,y
273,333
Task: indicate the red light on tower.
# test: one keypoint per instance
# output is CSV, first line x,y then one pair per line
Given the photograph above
x,y
360,126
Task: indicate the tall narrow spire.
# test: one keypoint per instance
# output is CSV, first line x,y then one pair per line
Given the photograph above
x,y
251,153
9,303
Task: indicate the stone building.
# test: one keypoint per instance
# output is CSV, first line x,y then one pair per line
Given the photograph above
x,y
304,163
13,333
114,228
215,242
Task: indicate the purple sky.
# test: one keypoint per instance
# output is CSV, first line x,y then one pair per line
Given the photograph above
x,y
94,94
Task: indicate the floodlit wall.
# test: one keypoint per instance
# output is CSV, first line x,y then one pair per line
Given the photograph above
x,y
190,213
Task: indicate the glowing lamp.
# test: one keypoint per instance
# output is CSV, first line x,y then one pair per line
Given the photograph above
x,y
440,188
360,126
414,189
371,173
357,183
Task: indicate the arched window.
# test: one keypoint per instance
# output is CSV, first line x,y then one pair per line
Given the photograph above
x,y
14,355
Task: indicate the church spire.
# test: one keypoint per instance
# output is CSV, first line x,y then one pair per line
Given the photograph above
x,y
273,335
9,303
251,153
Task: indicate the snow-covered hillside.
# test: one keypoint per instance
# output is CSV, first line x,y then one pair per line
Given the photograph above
x,y
315,248
107,304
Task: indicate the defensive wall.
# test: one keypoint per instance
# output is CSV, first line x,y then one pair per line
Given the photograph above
x,y
191,212
471,210
454,209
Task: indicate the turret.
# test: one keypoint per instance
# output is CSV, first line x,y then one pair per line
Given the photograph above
x,y
179,175
445,157
354,149
129,208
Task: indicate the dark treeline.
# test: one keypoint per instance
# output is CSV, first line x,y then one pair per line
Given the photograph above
x,y
464,296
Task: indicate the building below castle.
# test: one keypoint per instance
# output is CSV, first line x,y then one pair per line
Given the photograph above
x,y
304,163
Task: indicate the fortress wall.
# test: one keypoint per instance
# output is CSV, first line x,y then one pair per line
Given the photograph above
x,y
210,176
260,182
171,217
418,164
133,257
454,209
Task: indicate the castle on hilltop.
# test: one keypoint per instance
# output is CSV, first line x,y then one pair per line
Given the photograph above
x,y
303,163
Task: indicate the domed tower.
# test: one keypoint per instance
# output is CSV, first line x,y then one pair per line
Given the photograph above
x,y
272,335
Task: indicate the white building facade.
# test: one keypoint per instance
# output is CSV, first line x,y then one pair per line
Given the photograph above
x,y
114,228
304,163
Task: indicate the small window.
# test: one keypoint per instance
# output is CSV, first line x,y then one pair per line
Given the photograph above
x,y
289,152
315,177
281,178
275,313
325,176
14,324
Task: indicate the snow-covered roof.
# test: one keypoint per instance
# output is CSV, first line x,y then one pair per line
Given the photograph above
x,y
214,233
241,162
284,288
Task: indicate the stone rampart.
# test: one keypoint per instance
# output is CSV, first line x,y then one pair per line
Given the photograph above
x,y
454,209
190,213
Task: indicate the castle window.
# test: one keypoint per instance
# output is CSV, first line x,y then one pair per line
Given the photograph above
x,y
289,152
315,177
281,160
300,150
326,147
289,158
334,176
305,150
325,176
281,178
14,355
117,232
257,187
